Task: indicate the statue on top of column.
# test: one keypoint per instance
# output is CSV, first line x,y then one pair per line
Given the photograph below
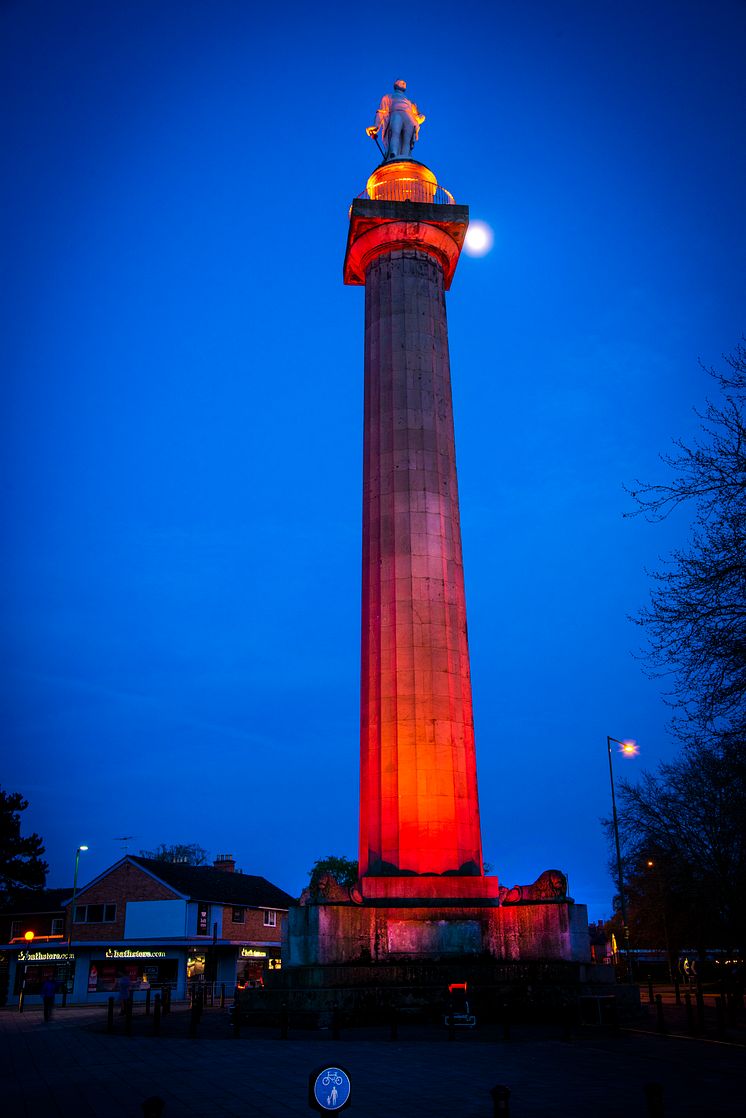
x,y
398,120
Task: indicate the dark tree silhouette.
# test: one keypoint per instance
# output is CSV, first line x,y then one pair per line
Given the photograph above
x,y
696,621
21,862
191,854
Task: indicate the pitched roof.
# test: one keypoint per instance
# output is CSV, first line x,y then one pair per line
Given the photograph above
x,y
27,901
204,883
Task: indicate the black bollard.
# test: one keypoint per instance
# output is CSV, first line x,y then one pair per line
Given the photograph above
x,y
732,1009
506,1021
153,1107
64,994
236,1014
659,1014
21,1000
689,1013
394,1023
451,1025
195,1014
677,989
284,1021
700,1009
157,1016
110,1016
336,1022
720,1017
654,1100
222,995
147,1002
651,995
500,1101
128,1016
166,1006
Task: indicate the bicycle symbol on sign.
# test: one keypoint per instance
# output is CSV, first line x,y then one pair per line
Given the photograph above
x,y
332,1076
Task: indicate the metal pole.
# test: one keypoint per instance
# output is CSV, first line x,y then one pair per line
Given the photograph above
x,y
72,906
622,903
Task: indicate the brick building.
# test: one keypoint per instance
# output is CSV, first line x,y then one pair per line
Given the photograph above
x,y
163,924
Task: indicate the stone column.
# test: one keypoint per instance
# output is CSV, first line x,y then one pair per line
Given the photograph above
x,y
419,811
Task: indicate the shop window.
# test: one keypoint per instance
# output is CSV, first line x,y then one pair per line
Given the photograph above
x,y
238,915
270,918
95,913
58,926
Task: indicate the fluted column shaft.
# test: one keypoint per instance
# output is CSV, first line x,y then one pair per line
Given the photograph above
x,y
419,807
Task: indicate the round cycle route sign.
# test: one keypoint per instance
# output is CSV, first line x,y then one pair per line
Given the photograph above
x,y
329,1089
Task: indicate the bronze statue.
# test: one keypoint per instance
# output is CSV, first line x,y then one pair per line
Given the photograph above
x,y
398,120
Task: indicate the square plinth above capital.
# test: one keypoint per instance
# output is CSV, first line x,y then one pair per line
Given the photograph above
x,y
378,227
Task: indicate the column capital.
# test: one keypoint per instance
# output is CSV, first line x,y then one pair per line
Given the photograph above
x,y
378,227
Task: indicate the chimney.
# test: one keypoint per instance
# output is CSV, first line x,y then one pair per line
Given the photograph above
x,y
225,862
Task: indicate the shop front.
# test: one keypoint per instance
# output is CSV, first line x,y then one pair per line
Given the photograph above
x,y
31,967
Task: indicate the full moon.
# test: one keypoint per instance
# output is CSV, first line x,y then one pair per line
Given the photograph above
x,y
479,238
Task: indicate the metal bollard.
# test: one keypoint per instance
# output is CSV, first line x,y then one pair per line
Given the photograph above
x,y
654,1100
222,995
195,1014
720,1017
236,1014
21,1000
500,1101
147,1002
157,1016
394,1023
336,1022
677,989
506,1021
659,1014
110,1016
128,1016
651,995
689,1013
64,994
700,1009
284,1021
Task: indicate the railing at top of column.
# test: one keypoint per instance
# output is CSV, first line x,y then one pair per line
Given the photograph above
x,y
408,190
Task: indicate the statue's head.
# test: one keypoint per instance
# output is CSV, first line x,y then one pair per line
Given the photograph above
x,y
400,85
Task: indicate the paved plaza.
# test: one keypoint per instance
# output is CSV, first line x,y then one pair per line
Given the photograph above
x,y
72,1068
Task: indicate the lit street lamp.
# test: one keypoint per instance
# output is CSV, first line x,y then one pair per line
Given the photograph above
x,y
75,892
662,898
627,749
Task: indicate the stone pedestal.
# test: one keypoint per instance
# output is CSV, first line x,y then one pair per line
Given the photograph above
x,y
339,933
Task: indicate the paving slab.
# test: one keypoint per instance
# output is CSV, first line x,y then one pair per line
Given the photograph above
x,y
73,1069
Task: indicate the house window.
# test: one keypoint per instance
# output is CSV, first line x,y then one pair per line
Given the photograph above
x,y
58,926
95,913
270,918
238,915
15,929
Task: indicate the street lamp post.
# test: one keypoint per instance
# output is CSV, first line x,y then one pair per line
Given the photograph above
x,y
75,893
70,925
662,898
628,749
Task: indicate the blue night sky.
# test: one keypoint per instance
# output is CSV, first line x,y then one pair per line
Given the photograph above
x,y
183,377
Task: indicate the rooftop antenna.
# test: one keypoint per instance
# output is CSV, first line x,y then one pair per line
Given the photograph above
x,y
124,839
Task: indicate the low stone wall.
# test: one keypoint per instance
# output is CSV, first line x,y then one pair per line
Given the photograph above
x,y
328,933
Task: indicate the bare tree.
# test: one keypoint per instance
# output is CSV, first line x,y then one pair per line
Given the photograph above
x,y
190,854
696,621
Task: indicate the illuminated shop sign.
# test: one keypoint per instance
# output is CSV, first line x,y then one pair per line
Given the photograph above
x,y
203,920
252,953
133,953
46,956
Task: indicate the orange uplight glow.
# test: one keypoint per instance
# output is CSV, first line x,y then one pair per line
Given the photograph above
x,y
28,936
629,748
